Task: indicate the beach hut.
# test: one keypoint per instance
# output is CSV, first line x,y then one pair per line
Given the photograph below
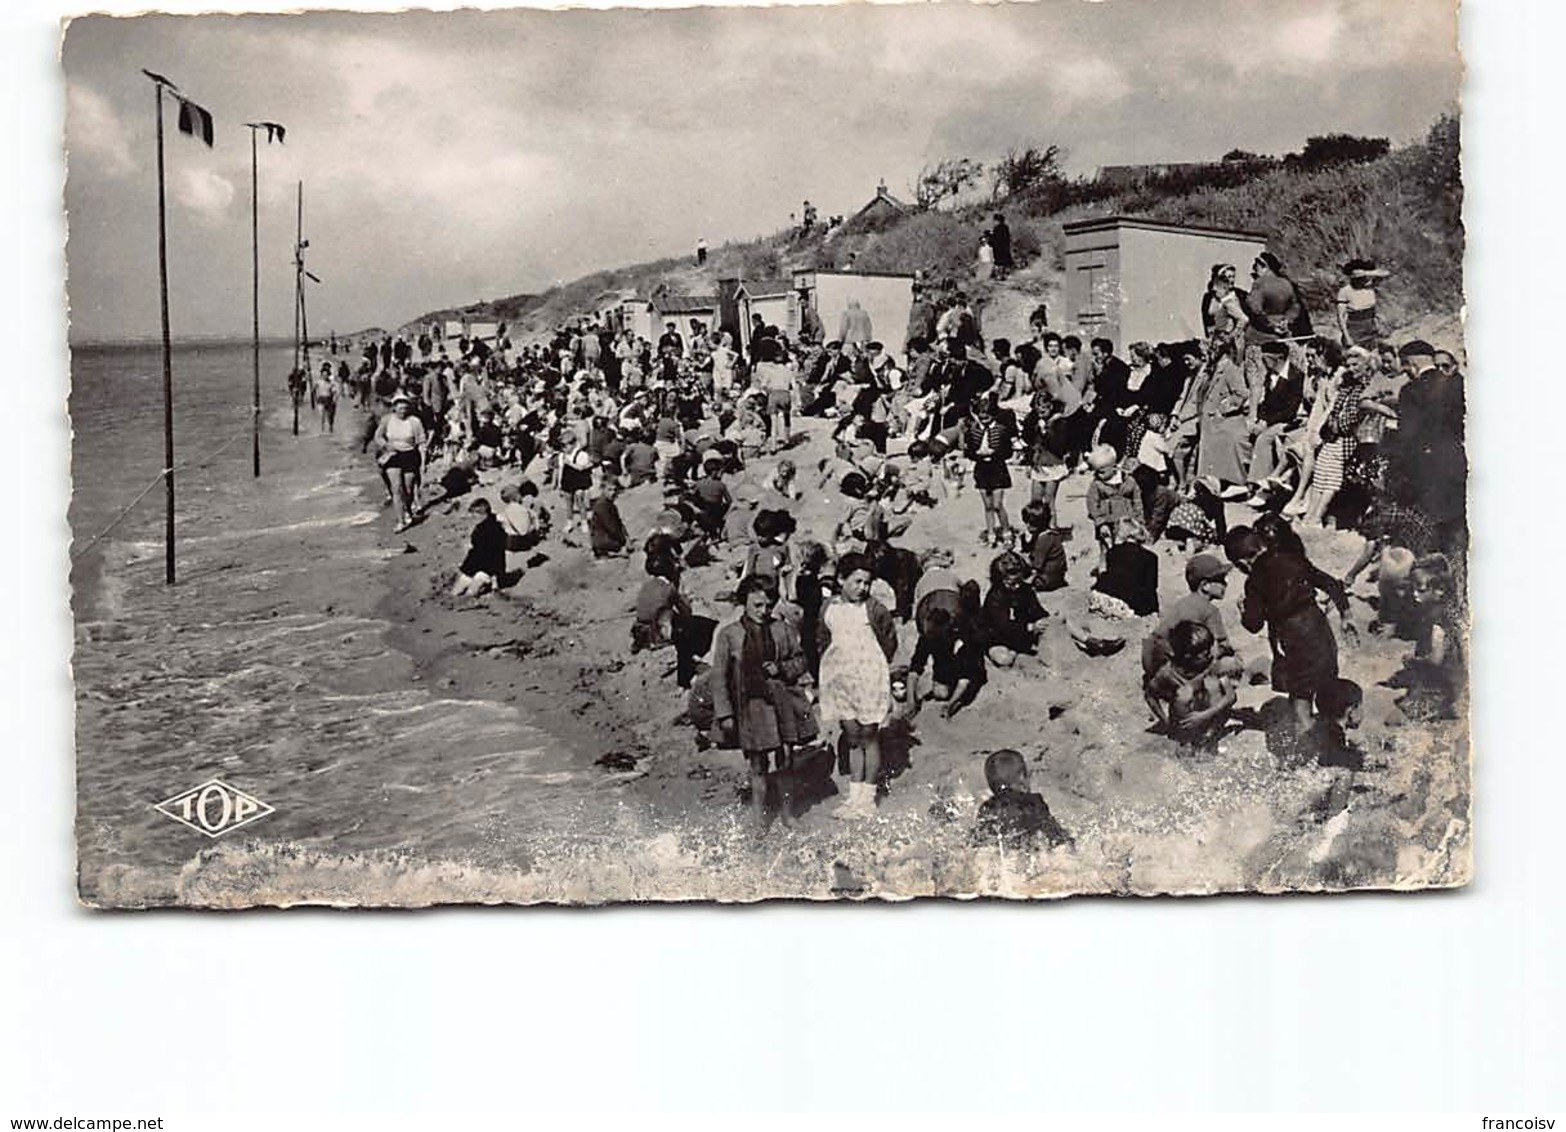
x,y
682,310
636,315
886,296
1135,280
773,299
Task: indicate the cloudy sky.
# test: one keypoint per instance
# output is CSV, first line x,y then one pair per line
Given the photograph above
x,y
449,157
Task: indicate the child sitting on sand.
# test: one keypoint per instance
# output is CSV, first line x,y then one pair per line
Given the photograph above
x,y
1187,695
485,563
1044,547
768,556
711,497
1434,674
605,528
659,601
783,480
1012,816
1012,620
1127,586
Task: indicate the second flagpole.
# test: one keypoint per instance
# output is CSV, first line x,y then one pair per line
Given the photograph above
x,y
255,314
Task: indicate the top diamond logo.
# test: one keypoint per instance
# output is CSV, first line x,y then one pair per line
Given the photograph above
x,y
214,808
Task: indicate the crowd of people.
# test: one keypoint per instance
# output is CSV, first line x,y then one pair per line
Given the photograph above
x,y
1264,415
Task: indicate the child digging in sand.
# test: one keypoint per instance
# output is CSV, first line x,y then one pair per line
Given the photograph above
x,y
1013,816
1187,695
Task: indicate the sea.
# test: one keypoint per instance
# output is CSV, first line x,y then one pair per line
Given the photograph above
x,y
267,665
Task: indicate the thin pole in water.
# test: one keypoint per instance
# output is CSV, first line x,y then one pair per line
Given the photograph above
x,y
168,362
255,313
298,297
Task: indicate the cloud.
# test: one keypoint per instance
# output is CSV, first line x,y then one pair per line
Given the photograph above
x,y
204,192
1310,38
1086,79
95,130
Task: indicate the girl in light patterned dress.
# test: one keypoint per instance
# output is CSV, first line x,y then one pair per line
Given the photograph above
x,y
858,640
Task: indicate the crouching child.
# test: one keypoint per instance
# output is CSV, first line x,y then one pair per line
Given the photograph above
x,y
1187,694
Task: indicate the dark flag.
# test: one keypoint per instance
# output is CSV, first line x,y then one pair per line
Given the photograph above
x,y
274,132
194,120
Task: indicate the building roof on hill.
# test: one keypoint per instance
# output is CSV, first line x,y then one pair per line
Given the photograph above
x,y
1105,223
766,288
883,201
685,304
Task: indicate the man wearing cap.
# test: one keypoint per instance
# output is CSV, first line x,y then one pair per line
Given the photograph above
x,y
1426,463
1208,577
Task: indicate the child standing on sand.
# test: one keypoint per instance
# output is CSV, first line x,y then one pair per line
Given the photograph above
x,y
858,642
1111,496
756,664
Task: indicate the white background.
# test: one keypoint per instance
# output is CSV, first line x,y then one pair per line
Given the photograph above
x,y
1439,1001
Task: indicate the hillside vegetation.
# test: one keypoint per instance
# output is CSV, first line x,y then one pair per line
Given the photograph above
x,y
1403,208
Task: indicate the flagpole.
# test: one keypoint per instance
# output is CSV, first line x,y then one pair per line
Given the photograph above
x,y
304,307
168,362
255,314
298,297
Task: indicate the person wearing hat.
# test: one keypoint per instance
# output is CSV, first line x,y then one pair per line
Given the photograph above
x,y
399,448
1207,577
1356,304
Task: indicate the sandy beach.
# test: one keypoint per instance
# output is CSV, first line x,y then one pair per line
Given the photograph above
x,y
650,815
